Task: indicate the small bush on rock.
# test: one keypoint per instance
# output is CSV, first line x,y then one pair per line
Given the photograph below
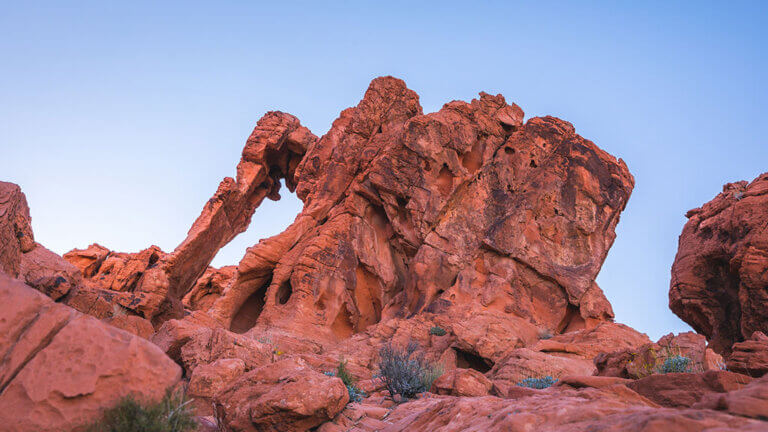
x,y
355,394
538,383
343,373
675,364
437,331
406,372
171,414
668,360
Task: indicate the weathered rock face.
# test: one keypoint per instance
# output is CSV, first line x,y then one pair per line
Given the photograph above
x,y
466,213
524,363
284,396
644,360
720,275
751,356
209,288
21,257
614,408
587,344
750,401
60,368
153,283
686,389
459,212
16,236
462,382
114,271
468,231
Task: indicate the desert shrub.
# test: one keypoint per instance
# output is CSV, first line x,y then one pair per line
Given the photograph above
x,y
343,373
406,372
171,414
537,383
437,331
674,364
355,394
669,359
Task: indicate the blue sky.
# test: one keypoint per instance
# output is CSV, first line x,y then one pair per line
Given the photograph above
x,y
119,121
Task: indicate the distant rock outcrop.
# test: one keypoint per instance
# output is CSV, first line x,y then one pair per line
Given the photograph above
x,y
720,274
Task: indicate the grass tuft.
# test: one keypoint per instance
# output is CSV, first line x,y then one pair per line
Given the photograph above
x,y
171,414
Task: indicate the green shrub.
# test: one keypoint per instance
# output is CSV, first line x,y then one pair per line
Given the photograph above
x,y
437,331
343,373
538,383
676,364
406,372
669,359
355,394
171,414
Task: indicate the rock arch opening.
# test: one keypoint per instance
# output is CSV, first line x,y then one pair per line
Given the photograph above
x,y
271,218
249,312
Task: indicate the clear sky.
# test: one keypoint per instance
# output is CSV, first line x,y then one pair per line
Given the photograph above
x,y
119,121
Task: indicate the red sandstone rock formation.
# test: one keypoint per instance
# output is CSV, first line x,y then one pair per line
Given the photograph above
x,y
719,277
466,213
560,409
16,236
21,257
459,213
750,401
285,396
467,231
687,389
153,283
59,369
644,360
751,356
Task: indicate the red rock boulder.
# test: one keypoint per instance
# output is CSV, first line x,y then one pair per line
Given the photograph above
x,y
284,396
462,382
750,401
648,359
720,271
751,356
677,390
60,368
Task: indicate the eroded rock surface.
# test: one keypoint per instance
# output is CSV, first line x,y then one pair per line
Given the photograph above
x,y
469,232
60,369
751,356
647,359
284,396
16,236
720,275
464,212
